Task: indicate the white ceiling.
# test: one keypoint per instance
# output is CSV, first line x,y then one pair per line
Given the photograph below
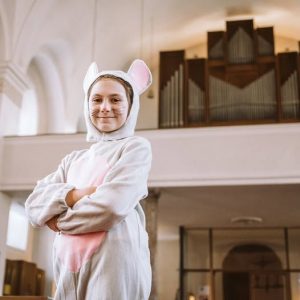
x,y
184,24
277,205
148,25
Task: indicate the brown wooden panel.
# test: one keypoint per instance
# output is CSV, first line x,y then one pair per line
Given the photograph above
x,y
23,278
40,282
241,75
168,64
265,33
233,26
23,298
242,78
213,38
287,64
219,72
12,278
28,275
195,70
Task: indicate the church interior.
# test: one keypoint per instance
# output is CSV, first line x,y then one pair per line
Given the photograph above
x,y
222,117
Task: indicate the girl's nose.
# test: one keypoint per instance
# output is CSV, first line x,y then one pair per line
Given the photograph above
x,y
105,105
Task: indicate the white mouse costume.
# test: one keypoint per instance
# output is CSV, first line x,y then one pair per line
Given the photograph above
x,y
102,251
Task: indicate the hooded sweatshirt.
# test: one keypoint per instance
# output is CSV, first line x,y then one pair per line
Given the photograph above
x,y
101,252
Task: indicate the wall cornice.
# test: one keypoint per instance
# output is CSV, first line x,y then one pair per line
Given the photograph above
x,y
13,81
237,155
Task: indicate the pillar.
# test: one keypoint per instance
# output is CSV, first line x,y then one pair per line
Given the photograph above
x,y
150,206
4,212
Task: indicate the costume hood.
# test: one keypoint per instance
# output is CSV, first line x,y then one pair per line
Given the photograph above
x,y
139,77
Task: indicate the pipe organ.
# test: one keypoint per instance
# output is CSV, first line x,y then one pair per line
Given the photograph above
x,y
195,90
288,64
241,81
253,102
171,89
240,42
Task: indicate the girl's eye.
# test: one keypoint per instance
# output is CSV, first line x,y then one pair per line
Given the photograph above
x,y
115,100
97,100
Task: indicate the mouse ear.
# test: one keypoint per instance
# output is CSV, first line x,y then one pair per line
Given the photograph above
x,y
90,76
141,75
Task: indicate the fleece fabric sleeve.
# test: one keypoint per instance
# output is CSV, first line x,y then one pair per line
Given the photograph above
x,y
48,197
123,187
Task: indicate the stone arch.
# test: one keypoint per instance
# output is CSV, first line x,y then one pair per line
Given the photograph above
x,y
2,39
253,271
47,87
3,36
246,256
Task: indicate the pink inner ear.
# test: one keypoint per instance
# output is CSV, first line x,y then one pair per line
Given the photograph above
x,y
140,73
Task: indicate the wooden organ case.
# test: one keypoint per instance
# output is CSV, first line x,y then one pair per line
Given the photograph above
x,y
241,82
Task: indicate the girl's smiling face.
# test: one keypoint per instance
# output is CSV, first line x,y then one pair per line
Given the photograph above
x,y
108,105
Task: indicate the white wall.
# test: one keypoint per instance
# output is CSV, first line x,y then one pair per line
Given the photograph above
x,y
42,254
8,125
167,268
231,155
283,44
148,114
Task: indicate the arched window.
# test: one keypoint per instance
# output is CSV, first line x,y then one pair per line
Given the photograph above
x,y
28,124
46,104
253,271
18,227
9,114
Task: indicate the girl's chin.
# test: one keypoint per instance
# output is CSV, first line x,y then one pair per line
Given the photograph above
x,y
107,128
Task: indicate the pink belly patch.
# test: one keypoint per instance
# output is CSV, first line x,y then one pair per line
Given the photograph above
x,y
75,250
88,171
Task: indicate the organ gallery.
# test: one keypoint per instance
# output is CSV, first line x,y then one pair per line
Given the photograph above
x,y
242,81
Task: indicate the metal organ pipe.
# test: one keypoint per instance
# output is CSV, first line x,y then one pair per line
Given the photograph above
x,y
290,97
255,101
172,100
196,102
240,48
180,84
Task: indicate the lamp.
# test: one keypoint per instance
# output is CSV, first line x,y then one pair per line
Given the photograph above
x,y
246,220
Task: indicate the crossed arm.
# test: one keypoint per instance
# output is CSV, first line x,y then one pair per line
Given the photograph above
x,y
64,208
72,197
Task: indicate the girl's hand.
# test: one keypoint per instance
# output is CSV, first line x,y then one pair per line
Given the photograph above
x,y
52,224
76,194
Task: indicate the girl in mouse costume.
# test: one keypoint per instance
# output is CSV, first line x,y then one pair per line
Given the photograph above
x,y
92,200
